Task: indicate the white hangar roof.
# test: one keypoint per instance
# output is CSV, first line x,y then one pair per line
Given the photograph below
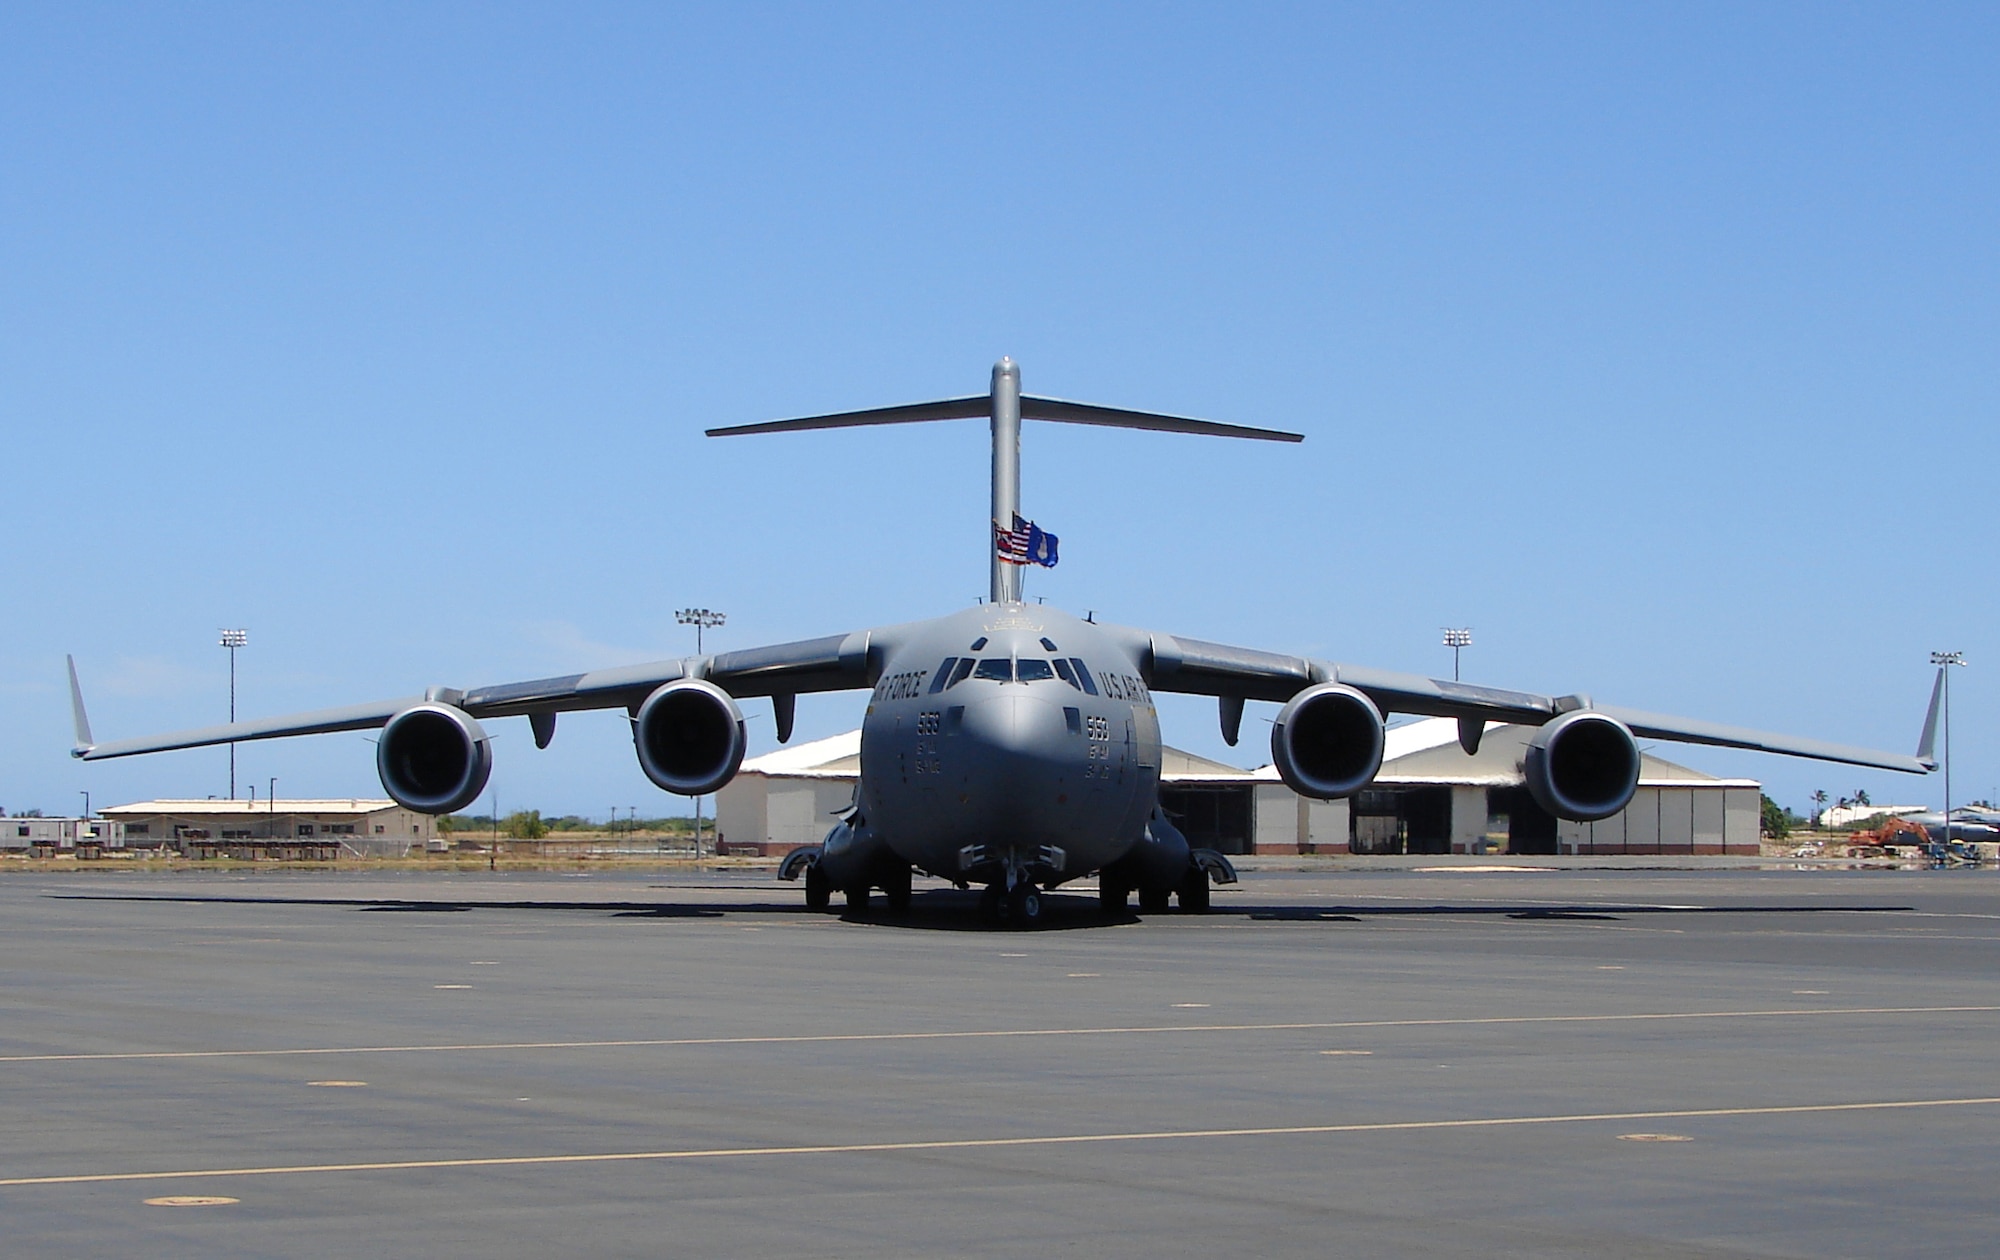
x,y
210,805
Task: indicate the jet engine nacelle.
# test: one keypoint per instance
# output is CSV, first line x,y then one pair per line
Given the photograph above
x,y
1327,741
434,758
1582,766
690,737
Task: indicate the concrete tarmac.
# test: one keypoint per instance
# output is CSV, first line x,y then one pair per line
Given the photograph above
x,y
1403,1063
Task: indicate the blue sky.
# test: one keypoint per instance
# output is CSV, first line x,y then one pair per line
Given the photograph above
x,y
1658,345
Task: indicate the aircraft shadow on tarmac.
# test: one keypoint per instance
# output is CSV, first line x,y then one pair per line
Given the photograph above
x,y
952,910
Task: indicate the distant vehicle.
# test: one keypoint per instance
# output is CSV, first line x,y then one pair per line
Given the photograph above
x,y
1010,745
1968,823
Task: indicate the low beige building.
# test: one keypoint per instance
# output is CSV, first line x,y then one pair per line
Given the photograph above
x,y
1430,797
362,824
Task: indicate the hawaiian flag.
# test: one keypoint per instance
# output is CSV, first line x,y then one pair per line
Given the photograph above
x,y
1025,544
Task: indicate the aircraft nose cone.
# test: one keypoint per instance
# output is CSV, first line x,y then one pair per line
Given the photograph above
x,y
1021,734
1016,790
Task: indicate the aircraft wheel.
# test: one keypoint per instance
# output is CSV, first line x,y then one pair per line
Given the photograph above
x,y
1024,905
993,904
896,890
1194,892
1112,895
857,898
1154,900
819,889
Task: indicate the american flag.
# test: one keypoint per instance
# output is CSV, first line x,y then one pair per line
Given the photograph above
x,y
1025,543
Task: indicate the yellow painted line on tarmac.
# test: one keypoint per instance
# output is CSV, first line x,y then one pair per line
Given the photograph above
x,y
996,1033
973,1144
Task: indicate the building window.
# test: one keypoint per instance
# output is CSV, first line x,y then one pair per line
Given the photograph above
x,y
138,829
379,830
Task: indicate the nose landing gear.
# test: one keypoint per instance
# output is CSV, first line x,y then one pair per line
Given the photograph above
x,y
1019,906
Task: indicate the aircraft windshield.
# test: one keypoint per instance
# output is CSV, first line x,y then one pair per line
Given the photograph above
x,y
1032,669
995,669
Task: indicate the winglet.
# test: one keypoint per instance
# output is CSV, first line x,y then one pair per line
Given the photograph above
x,y
1927,742
84,742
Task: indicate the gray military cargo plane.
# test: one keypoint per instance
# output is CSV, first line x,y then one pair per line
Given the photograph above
x,y
1009,745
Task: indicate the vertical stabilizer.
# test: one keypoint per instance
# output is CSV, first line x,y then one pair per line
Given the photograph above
x,y
1006,396
1927,742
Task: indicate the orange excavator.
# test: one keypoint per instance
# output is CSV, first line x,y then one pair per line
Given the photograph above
x,y
1878,842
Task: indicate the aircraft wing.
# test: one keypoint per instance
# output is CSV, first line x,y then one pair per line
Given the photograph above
x,y
1214,669
834,663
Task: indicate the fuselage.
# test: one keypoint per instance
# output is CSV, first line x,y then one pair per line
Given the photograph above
x,y
1009,736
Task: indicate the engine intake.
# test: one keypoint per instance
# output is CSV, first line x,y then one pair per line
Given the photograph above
x,y
433,758
690,738
1582,766
1327,741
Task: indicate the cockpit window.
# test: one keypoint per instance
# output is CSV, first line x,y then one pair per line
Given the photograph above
x,y
977,643
963,671
1064,672
1083,676
1032,669
942,678
995,669
1050,646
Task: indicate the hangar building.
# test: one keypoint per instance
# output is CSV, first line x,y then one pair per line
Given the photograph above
x,y
1430,797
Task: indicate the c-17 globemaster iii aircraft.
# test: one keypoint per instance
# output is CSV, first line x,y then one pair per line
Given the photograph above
x,y
1009,744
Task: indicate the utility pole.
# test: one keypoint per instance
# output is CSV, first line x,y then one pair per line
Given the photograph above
x,y
1944,661
233,639
1456,639
701,619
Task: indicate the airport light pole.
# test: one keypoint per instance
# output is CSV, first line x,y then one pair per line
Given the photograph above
x,y
701,619
1944,661
233,639
1457,639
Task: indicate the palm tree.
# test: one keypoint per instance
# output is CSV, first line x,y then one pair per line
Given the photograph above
x,y
1819,806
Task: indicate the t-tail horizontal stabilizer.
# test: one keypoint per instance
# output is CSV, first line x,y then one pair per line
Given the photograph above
x,y
1006,406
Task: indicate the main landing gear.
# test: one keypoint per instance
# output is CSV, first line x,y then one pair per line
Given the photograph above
x,y
892,878
1019,906
1114,894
